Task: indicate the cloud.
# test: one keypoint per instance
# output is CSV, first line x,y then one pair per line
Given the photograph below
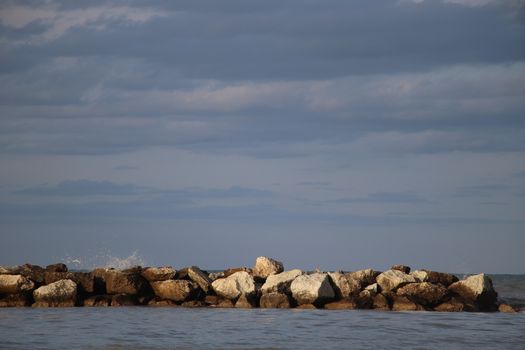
x,y
383,197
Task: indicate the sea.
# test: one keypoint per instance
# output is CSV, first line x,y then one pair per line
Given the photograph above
x,y
206,328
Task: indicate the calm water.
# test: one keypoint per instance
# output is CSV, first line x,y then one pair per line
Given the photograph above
x,y
179,328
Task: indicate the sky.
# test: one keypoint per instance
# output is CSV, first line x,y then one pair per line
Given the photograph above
x,y
326,134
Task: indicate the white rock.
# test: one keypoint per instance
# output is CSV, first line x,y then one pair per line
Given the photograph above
x,y
344,286
280,282
234,285
393,279
59,293
265,267
474,287
12,284
314,288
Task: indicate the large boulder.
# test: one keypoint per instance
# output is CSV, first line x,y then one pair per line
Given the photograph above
x,y
13,284
424,293
125,282
62,293
265,267
380,302
176,290
402,268
275,300
84,280
199,277
231,271
477,289
401,303
34,272
59,267
343,285
280,283
234,285
443,278
312,289
155,274
392,279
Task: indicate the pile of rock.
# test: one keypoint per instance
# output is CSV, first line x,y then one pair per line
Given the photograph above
x,y
266,285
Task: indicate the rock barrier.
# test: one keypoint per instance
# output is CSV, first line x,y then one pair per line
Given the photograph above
x,y
266,285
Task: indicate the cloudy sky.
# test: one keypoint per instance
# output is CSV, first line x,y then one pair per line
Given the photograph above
x,y
330,134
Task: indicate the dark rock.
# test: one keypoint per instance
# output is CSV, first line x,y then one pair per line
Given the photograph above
x,y
506,308
343,304
246,301
162,302
306,306
16,300
400,303
402,268
200,277
452,305
176,290
424,293
57,268
98,301
194,303
380,302
229,272
275,300
84,280
443,278
125,282
124,299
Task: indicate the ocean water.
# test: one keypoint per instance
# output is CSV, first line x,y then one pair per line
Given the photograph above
x,y
182,328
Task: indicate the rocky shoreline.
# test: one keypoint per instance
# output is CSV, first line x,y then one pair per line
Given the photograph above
x,y
266,285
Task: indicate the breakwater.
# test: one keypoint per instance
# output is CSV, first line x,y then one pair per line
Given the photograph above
x,y
265,285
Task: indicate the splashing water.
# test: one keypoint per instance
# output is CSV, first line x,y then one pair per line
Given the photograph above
x,y
104,259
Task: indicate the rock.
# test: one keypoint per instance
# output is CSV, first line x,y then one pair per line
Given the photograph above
x,y
216,275
478,289
62,293
124,299
373,288
401,303
98,301
229,272
343,285
280,283
424,293
16,300
234,285
312,289
275,300
402,268
380,302
176,290
363,277
246,302
84,280
506,308
445,279
161,302
56,268
343,304
452,305
193,303
14,284
34,272
199,277
265,267
125,282
217,301
392,279
155,274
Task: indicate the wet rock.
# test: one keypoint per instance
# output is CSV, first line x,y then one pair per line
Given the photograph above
x,y
392,279
506,308
62,293
380,302
84,280
401,303
246,302
275,300
478,289
16,300
234,285
265,267
98,301
199,277
312,289
343,304
155,274
176,290
424,293
452,305
280,283
124,299
57,268
402,268
14,284
125,282
158,302
306,306
445,279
